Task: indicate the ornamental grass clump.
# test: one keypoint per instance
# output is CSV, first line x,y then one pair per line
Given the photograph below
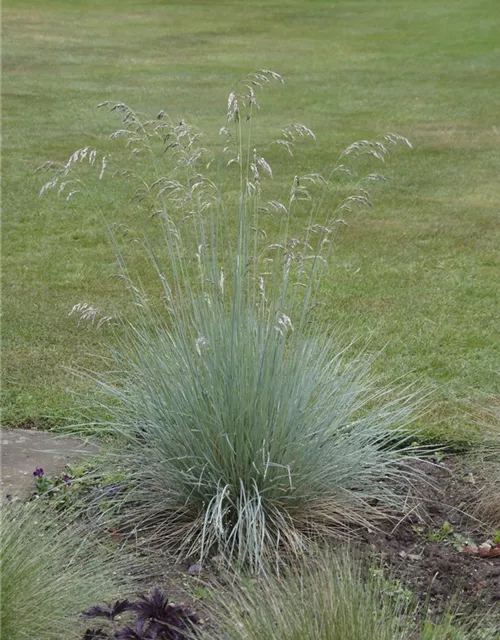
x,y
244,426
255,440
50,570
338,597
329,598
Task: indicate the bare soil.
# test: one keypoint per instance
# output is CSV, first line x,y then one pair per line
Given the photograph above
x,y
425,551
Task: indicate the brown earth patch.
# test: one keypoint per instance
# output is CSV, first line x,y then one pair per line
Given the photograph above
x,y
425,551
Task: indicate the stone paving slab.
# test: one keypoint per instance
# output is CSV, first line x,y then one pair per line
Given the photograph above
x,y
22,451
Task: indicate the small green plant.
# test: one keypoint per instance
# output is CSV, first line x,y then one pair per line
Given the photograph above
x,y
458,541
67,490
446,529
47,486
496,537
50,570
438,456
392,588
43,484
201,593
440,535
447,535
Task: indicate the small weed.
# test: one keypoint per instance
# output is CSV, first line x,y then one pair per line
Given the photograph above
x,y
438,456
448,536
439,535
56,488
392,588
458,541
201,593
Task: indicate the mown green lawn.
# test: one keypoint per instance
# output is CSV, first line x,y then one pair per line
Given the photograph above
x,y
418,276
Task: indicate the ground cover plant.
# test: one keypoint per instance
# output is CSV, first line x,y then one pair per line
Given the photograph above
x,y
51,570
417,275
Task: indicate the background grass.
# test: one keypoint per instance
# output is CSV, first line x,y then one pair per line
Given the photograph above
x,y
418,276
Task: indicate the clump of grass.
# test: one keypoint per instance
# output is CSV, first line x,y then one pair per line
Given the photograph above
x,y
487,501
327,599
335,598
50,570
484,502
253,440
247,429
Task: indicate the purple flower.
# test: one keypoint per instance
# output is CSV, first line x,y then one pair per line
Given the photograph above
x,y
67,479
38,472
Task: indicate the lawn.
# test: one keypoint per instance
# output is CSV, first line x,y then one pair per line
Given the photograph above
x,y
415,278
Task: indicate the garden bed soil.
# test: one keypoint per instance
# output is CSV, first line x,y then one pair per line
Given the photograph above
x,y
425,551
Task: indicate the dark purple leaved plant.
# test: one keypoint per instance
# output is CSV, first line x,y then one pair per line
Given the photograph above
x,y
108,611
95,634
155,619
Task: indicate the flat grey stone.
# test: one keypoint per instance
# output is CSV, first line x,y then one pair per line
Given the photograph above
x,y
23,451
195,569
